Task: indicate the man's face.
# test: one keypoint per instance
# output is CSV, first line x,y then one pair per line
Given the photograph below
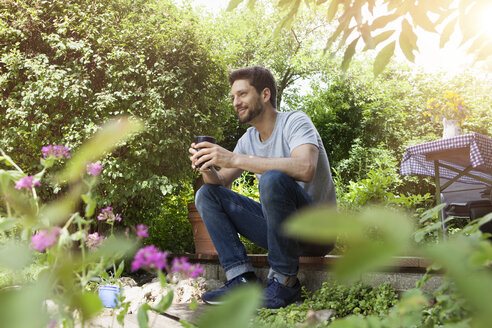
x,y
246,100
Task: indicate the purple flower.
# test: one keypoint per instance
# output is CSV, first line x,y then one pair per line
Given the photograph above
x,y
27,183
94,169
142,231
181,265
94,240
44,239
460,108
57,151
149,258
108,215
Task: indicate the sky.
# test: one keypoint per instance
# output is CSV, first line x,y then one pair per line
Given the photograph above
x,y
431,57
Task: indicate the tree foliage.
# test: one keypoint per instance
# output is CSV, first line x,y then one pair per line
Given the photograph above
x,y
247,37
386,23
67,66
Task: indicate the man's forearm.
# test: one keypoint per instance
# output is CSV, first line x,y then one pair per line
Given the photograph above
x,y
212,176
297,168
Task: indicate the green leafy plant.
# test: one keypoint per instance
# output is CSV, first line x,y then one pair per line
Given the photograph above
x,y
345,300
247,185
72,258
464,259
408,15
62,75
69,257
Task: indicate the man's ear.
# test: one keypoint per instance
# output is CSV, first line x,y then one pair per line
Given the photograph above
x,y
266,94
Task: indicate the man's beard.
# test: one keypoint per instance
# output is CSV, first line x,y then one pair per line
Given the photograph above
x,y
252,112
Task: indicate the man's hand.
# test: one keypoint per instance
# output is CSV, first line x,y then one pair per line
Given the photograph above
x,y
210,155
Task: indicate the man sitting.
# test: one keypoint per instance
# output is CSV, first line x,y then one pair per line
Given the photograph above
x,y
286,153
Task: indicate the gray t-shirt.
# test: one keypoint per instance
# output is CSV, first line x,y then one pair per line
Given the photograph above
x,y
291,130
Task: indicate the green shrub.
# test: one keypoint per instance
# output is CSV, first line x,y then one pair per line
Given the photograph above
x,y
378,180
360,117
66,66
169,227
247,185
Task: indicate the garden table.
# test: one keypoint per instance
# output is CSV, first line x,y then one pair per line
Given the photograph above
x,y
466,159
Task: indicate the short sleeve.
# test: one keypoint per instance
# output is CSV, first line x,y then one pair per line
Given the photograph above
x,y
237,149
300,130
240,149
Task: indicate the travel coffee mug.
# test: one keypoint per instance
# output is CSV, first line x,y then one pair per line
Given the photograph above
x,y
201,139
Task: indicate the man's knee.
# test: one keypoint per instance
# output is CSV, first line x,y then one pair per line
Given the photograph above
x,y
204,195
272,183
272,178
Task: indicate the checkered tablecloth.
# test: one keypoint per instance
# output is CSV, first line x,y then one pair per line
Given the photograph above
x,y
480,156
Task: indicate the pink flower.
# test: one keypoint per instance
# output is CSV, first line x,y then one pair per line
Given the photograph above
x,y
27,183
149,258
94,169
57,151
142,231
108,215
94,240
44,239
181,265
52,324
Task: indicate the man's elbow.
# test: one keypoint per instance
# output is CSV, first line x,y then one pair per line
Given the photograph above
x,y
307,174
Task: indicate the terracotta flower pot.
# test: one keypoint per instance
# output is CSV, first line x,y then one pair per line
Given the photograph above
x,y
203,243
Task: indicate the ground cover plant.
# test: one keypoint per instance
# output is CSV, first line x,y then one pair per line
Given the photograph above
x,y
344,300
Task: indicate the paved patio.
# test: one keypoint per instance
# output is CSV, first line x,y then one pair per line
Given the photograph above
x,y
169,320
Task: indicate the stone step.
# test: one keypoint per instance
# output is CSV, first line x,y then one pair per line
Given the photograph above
x,y
402,272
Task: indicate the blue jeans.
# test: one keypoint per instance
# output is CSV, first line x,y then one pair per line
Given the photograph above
x,y
227,213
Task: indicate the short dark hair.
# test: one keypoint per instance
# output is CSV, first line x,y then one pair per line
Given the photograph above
x,y
259,77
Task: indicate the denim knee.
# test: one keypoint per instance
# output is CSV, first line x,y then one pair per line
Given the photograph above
x,y
203,195
272,185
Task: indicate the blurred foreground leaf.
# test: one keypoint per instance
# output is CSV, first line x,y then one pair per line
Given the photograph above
x,y
24,207
165,302
373,235
14,256
7,223
105,140
23,307
237,311
142,316
89,304
112,247
469,273
60,210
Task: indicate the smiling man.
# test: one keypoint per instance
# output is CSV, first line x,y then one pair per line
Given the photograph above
x,y
287,155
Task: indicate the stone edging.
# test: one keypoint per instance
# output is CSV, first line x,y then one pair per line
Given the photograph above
x,y
399,264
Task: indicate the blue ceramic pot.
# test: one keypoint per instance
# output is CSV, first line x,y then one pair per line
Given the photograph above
x,y
108,295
